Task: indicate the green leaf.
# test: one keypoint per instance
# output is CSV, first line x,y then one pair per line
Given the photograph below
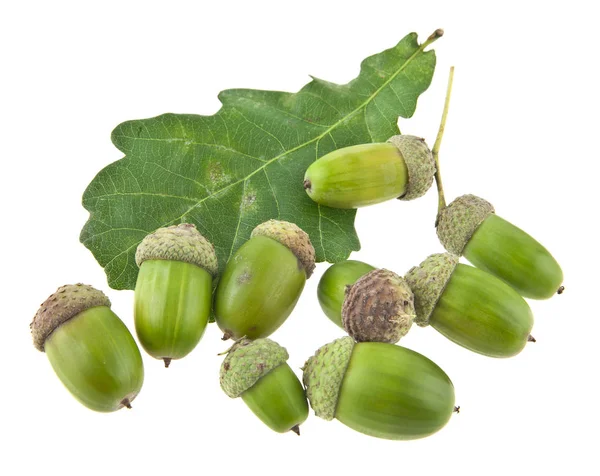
x,y
244,165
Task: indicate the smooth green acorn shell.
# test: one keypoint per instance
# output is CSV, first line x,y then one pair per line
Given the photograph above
x,y
291,236
258,289
172,307
470,306
366,174
332,286
278,399
357,176
468,226
385,391
96,358
257,371
482,313
504,250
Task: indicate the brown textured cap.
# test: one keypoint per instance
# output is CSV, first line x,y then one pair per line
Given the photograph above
x,y
64,304
178,243
292,236
419,163
428,282
458,221
379,307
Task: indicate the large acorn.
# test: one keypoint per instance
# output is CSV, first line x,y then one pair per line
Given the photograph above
x,y
470,306
379,389
258,372
263,280
469,226
173,292
89,347
367,174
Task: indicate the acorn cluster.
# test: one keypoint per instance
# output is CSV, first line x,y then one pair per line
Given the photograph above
x,y
363,380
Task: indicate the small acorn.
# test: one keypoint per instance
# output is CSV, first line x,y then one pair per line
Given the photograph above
x,y
366,174
173,292
371,305
470,306
378,389
469,226
333,284
263,280
379,307
257,371
89,347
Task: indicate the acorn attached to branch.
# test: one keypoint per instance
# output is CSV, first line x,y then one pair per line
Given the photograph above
x,y
89,347
469,226
379,389
257,371
263,280
470,306
173,292
367,174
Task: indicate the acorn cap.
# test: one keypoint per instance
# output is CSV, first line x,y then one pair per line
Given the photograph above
x,y
419,163
379,307
323,376
428,281
178,243
292,236
247,362
458,221
64,304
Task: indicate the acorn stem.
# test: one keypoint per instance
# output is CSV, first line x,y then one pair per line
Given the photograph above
x,y
231,347
438,142
295,429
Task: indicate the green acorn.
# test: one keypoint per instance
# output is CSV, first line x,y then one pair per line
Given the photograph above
x,y
333,284
257,371
371,305
379,389
470,306
89,347
469,227
263,280
173,292
366,174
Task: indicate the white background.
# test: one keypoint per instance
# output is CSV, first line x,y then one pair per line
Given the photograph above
x,y
522,132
